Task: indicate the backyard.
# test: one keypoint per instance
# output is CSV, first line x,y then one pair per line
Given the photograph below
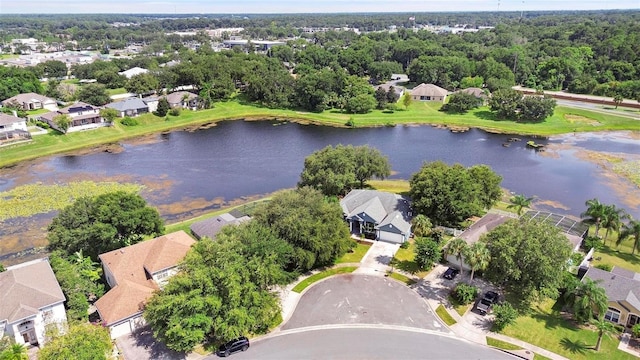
x,y
620,256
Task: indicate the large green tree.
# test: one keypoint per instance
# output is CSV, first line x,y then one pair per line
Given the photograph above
x,y
94,94
527,258
588,300
311,223
630,230
104,223
427,252
82,341
477,256
79,279
336,170
449,195
222,291
594,214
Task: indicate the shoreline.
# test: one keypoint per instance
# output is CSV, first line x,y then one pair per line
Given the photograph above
x,y
111,138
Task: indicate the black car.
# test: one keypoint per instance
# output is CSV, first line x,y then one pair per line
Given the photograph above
x,y
484,305
235,345
450,274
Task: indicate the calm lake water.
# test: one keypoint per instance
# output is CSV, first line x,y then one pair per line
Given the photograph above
x,y
236,159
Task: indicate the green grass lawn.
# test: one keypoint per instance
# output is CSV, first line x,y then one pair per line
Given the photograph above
x,y
461,309
563,121
117,91
444,315
38,112
546,328
501,344
319,276
616,255
356,256
400,277
396,186
405,261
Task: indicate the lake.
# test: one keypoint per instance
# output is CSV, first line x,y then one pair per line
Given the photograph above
x,y
186,173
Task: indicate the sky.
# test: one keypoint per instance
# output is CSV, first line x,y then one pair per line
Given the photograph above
x,y
298,6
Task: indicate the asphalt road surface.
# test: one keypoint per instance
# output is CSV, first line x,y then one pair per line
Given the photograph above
x,y
366,343
363,299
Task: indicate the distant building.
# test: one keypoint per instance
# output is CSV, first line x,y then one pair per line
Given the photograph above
x,y
133,72
129,107
31,101
83,117
211,227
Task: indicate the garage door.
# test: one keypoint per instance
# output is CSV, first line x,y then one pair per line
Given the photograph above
x,y
391,237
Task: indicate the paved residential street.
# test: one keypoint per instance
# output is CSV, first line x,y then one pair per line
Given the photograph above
x,y
363,299
366,343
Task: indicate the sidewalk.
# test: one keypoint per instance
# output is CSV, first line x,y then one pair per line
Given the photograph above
x,y
435,293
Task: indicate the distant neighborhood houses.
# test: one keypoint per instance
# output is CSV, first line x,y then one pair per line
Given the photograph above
x,y
30,300
429,92
211,227
31,101
134,273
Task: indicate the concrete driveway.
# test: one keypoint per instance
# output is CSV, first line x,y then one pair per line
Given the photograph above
x,y
377,259
142,345
363,299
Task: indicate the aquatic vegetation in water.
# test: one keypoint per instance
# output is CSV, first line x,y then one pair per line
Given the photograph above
x,y
629,169
38,198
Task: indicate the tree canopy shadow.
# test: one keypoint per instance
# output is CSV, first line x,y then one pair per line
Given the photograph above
x,y
487,115
575,347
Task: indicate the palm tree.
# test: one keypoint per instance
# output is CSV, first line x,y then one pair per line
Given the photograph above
x,y
421,225
15,352
604,327
594,214
588,300
612,219
477,256
457,248
519,202
632,229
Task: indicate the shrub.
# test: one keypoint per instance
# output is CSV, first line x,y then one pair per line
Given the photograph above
x,y
635,330
592,242
128,121
465,293
42,124
576,258
427,252
404,245
505,315
174,112
350,123
605,267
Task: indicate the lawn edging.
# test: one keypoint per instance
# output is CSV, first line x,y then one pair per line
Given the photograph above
x,y
299,288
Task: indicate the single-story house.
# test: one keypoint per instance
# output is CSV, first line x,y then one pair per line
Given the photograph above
x,y
183,99
134,273
211,227
133,72
622,287
473,233
399,90
83,117
30,299
428,92
31,101
477,92
151,102
129,107
378,215
13,128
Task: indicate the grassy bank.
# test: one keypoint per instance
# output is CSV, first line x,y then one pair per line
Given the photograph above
x,y
319,276
564,120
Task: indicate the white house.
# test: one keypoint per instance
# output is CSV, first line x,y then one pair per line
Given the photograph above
x,y
82,116
134,273
133,72
30,299
378,215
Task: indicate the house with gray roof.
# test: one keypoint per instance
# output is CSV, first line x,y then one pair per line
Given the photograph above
x,y
31,101
211,227
30,299
428,92
622,287
378,215
182,99
129,107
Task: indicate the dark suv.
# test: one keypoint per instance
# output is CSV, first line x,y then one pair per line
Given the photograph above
x,y
235,345
450,274
484,305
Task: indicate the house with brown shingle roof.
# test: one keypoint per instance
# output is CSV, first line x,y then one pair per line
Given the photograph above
x,y
30,299
428,92
31,101
622,287
134,273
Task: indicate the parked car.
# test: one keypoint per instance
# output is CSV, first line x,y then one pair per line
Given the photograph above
x,y
451,273
235,345
484,305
